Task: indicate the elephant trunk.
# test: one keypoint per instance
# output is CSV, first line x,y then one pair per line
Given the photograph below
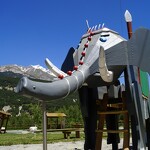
x,y
53,90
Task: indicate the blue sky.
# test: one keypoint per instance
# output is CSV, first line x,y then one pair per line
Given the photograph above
x,y
31,30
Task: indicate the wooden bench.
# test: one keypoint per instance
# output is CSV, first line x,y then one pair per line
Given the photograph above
x,y
66,131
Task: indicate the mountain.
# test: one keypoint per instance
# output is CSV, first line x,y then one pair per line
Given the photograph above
x,y
36,72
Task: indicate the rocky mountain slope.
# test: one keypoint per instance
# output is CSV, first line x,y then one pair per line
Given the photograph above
x,y
36,72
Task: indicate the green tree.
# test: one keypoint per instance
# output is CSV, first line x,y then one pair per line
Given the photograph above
x,y
36,114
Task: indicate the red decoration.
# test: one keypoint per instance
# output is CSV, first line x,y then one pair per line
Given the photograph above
x,y
83,53
81,62
75,67
61,76
86,45
89,38
69,73
91,33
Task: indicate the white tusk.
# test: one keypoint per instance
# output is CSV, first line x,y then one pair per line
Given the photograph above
x,y
53,68
106,75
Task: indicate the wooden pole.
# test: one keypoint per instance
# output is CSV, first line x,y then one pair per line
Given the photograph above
x,y
129,28
44,123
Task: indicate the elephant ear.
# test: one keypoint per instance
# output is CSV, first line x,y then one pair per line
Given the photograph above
x,y
139,49
68,62
134,52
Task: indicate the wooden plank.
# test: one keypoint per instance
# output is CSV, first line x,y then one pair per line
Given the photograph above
x,y
112,112
66,129
51,115
4,113
112,131
116,105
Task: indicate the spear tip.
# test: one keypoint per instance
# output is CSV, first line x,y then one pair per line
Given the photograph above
x,y
128,16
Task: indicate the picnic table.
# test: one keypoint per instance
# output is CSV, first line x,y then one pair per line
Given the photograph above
x,y
4,117
58,117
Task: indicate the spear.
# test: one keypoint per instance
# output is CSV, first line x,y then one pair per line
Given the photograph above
x,y
128,19
131,74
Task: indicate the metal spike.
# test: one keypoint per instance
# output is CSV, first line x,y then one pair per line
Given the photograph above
x,y
87,23
92,28
103,25
95,27
89,30
99,26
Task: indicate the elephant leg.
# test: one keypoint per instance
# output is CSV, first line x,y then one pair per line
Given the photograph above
x,y
148,132
112,124
88,108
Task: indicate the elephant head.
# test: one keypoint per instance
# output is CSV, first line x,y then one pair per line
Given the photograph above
x,y
98,60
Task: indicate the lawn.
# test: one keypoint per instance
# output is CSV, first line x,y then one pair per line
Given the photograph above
x,y
35,138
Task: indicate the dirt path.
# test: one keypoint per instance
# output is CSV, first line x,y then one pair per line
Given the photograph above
x,y
56,146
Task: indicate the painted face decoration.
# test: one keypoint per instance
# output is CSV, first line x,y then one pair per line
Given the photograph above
x,y
104,37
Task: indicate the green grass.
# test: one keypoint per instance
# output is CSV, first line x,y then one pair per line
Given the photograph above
x,y
30,138
37,138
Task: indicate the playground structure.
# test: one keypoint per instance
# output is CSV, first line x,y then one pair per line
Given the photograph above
x,y
100,58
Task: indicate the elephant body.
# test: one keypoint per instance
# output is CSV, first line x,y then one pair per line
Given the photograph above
x,y
100,58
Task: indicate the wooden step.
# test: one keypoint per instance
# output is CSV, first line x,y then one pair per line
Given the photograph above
x,y
112,131
112,112
115,105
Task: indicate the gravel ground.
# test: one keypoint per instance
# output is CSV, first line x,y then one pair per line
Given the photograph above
x,y
56,146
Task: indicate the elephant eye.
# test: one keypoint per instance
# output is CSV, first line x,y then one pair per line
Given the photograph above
x,y
104,38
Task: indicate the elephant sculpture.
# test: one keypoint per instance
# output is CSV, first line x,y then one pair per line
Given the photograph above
x,y
100,58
